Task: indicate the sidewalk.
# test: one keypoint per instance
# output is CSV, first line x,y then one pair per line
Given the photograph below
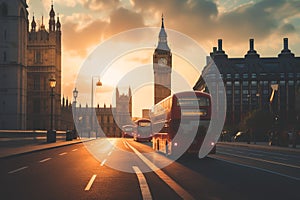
x,y
18,146
262,145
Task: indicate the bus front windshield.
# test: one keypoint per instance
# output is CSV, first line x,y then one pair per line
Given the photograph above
x,y
192,101
144,124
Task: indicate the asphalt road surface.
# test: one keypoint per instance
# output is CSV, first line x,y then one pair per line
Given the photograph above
x,y
122,170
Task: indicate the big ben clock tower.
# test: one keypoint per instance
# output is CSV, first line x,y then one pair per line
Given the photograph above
x,y
162,67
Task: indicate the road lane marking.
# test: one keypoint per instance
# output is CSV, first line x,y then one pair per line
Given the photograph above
x,y
64,153
263,160
90,183
17,170
146,194
45,160
109,153
125,144
74,149
103,162
257,168
163,176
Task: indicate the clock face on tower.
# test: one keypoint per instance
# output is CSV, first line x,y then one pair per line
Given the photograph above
x,y
162,61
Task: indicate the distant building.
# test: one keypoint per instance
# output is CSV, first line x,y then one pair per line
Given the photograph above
x,y
248,82
162,66
109,119
13,63
44,62
146,113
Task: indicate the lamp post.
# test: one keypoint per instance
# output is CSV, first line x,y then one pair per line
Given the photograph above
x,y
51,134
98,83
75,95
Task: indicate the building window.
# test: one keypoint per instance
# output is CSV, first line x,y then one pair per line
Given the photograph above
x,y
3,10
228,75
254,83
245,92
36,83
291,83
236,76
245,83
228,83
298,75
245,76
4,57
282,83
229,92
290,75
38,57
282,75
236,83
236,92
253,75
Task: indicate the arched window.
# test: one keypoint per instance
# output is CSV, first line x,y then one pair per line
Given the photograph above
x,y
3,10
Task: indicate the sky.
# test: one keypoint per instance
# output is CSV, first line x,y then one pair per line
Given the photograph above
x,y
86,24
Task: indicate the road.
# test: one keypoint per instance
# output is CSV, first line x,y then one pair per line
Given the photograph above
x,y
72,172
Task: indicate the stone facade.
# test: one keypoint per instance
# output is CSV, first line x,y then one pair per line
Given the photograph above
x,y
13,63
162,67
248,82
44,62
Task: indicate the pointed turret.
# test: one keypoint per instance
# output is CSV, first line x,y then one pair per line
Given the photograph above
x,y
58,25
33,24
52,19
43,26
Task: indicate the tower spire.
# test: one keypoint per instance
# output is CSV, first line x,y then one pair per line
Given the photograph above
x,y
163,43
162,21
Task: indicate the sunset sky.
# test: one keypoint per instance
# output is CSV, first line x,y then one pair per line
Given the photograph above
x,y
87,23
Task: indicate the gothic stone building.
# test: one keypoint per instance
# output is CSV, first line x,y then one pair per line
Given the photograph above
x,y
44,62
248,82
13,63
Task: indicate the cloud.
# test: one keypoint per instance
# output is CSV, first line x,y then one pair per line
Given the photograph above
x,y
78,38
98,5
123,19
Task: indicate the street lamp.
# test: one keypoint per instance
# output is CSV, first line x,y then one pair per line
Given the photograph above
x,y
98,84
51,134
52,83
75,95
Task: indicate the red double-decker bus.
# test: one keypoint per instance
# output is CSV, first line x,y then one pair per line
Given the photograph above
x,y
180,123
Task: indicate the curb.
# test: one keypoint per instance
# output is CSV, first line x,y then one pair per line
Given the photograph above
x,y
257,146
38,150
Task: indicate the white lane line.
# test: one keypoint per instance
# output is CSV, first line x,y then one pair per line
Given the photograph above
x,y
64,153
262,160
109,153
45,160
74,149
125,144
17,170
103,162
90,183
146,194
168,180
257,168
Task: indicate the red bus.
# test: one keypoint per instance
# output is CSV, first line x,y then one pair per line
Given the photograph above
x,y
180,123
143,130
